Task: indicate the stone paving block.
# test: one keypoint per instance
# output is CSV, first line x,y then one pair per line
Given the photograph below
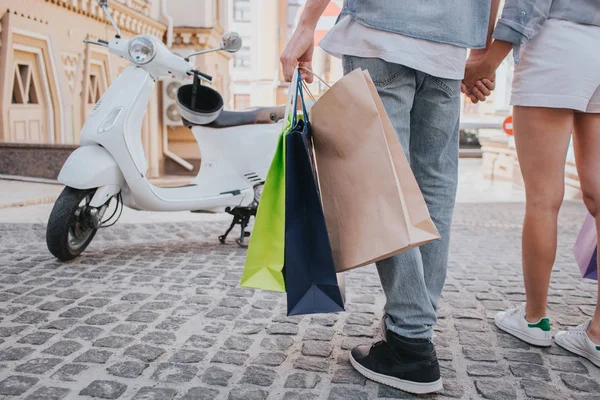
x,y
17,385
201,393
216,376
104,390
322,334
101,319
48,393
129,329
144,352
87,333
15,353
490,370
496,389
302,380
299,396
63,348
280,343
247,394
270,359
530,371
159,338
151,393
201,342
31,317
344,393
175,373
317,349
113,342
541,390
480,354
188,356
230,357
238,343
69,372
282,329
77,312
246,328
143,316
127,369
311,364
524,357
94,356
38,366
36,338
259,376
574,366
348,376
581,383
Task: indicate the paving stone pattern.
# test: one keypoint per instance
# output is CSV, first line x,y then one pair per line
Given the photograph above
x,y
155,311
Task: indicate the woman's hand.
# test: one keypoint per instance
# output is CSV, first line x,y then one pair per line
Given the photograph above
x,y
299,52
479,80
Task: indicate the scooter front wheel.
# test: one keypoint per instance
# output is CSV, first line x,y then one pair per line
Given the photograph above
x,y
70,229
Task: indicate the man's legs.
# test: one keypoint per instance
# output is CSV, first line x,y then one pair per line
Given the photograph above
x,y
409,311
434,141
412,281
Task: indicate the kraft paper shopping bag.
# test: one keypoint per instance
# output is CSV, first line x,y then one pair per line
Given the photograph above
x,y
372,203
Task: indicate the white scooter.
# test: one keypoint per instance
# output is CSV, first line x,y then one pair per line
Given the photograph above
x,y
237,148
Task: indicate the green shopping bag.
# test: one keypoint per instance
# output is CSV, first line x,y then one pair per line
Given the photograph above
x,y
264,263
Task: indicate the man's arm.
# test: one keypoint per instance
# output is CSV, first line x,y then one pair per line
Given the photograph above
x,y
299,50
477,53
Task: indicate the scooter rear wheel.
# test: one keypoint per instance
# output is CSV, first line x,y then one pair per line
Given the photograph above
x,y
70,229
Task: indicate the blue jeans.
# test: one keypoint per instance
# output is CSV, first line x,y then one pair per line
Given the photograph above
x,y
425,112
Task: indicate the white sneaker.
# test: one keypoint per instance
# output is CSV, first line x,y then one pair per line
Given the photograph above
x,y
577,341
513,321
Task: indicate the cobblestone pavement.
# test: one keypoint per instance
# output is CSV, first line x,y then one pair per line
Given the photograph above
x,y
154,311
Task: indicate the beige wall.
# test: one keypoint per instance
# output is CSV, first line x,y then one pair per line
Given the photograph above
x,y
59,78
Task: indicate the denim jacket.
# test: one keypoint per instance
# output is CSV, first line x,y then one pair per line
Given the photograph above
x,y
462,23
523,19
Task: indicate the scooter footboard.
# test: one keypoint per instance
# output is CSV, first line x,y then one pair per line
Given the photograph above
x,y
90,167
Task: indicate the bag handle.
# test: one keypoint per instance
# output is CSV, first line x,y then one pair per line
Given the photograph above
x,y
299,93
291,95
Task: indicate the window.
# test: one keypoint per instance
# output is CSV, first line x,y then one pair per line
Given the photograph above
x,y
24,90
95,92
242,58
241,10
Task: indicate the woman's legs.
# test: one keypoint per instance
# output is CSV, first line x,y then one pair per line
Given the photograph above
x,y
542,140
587,156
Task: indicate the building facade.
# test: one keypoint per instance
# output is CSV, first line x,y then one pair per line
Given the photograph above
x,y
50,79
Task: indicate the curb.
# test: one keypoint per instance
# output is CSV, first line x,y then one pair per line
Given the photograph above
x,y
32,202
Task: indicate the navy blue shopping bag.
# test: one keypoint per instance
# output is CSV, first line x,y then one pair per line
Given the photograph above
x,y
309,271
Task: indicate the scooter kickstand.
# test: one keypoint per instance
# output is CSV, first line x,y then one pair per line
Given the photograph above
x,y
223,237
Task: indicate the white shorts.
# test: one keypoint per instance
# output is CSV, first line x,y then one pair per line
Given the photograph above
x,y
560,68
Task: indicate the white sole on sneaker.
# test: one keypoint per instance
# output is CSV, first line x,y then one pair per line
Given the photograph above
x,y
405,386
580,352
525,337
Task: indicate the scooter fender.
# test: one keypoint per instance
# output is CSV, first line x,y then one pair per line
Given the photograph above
x,y
91,167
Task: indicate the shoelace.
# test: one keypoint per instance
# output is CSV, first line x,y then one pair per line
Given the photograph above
x,y
581,328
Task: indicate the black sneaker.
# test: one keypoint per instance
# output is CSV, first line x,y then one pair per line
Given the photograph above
x,y
410,365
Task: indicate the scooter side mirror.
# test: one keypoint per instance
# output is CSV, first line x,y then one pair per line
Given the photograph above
x,y
231,42
104,5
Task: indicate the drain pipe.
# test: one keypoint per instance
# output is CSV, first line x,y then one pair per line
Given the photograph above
x,y
168,153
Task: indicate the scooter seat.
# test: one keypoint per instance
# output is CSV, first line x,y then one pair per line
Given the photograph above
x,y
262,115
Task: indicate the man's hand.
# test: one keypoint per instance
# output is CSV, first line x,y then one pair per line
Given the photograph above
x,y
299,52
479,80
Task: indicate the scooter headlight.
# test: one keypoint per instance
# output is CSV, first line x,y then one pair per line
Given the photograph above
x,y
142,49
